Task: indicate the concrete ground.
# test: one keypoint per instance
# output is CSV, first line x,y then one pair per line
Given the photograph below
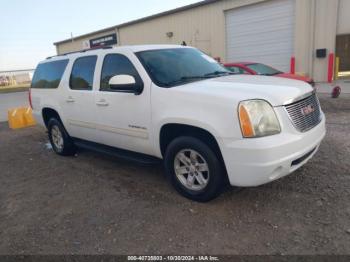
x,y
326,88
11,100
94,204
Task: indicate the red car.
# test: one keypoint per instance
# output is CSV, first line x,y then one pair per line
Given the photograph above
x,y
251,68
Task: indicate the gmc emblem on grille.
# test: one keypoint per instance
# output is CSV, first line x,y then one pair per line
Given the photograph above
x,y
307,110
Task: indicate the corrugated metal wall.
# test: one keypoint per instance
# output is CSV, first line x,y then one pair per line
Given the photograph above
x,y
316,26
344,17
79,44
262,33
202,27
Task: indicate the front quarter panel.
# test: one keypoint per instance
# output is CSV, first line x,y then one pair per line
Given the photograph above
x,y
215,114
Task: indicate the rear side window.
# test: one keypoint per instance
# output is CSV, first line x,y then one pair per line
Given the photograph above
x,y
49,75
116,64
82,76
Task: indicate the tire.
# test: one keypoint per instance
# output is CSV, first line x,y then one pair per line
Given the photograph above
x,y
213,179
56,131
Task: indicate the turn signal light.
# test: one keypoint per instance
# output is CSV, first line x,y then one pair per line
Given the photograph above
x,y
246,126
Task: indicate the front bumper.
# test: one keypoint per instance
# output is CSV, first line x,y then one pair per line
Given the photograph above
x,y
253,162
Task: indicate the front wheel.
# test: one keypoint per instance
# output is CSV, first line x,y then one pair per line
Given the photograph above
x,y
194,169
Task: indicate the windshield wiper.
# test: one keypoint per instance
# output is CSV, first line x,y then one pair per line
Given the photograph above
x,y
219,73
185,79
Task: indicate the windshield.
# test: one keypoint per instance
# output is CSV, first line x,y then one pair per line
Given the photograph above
x,y
171,67
262,69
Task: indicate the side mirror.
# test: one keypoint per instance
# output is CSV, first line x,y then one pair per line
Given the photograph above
x,y
126,84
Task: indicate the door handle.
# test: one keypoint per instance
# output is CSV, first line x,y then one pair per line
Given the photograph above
x,y
102,102
70,100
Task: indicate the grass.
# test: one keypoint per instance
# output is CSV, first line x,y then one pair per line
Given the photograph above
x,y
14,88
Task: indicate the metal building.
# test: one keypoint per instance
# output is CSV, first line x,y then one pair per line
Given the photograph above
x,y
301,35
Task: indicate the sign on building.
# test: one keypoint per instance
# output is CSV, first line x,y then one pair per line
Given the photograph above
x,y
106,40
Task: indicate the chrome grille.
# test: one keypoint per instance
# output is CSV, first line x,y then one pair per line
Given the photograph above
x,y
305,114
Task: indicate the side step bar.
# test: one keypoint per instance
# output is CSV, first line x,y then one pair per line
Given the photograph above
x,y
138,158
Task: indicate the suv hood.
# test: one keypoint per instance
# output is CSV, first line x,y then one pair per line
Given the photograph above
x,y
296,77
276,90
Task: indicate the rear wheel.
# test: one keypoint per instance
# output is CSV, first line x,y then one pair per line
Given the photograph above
x,y
60,141
194,169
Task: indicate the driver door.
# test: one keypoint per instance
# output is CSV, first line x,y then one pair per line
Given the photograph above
x,y
124,117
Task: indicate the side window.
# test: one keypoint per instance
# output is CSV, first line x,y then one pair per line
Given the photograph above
x,y
237,70
233,69
242,71
117,64
48,75
82,76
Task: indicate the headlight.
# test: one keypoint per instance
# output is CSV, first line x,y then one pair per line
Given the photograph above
x,y
257,119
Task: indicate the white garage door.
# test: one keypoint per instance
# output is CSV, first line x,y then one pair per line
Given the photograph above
x,y
262,33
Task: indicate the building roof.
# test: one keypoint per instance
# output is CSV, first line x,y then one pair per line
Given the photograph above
x,y
109,49
169,12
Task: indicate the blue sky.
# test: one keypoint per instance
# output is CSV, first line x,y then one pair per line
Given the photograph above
x,y
28,28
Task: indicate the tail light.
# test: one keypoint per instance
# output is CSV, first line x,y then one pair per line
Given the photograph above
x,y
30,97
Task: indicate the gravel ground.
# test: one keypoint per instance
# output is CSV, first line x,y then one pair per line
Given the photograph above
x,y
94,204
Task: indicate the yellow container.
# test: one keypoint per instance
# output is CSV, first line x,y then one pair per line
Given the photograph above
x,y
20,117
28,116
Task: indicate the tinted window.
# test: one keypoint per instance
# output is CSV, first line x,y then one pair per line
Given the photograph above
x,y
262,69
237,70
48,75
82,76
171,67
116,64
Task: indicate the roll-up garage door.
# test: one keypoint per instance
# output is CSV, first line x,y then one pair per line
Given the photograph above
x,y
262,32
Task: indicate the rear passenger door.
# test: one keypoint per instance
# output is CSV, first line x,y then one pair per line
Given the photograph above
x,y
78,99
123,118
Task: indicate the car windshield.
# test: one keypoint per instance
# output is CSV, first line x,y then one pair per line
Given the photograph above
x,y
171,67
262,69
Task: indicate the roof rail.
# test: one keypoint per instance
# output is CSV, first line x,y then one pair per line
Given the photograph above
x,y
81,51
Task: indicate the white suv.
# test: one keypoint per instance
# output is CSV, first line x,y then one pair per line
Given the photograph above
x,y
174,103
